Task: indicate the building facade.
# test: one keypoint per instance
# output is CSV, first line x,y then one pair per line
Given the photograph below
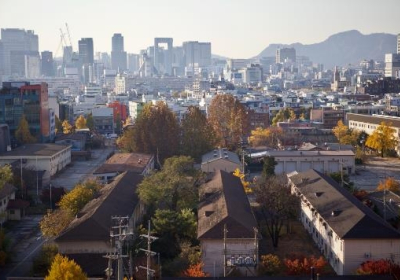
x,y
118,55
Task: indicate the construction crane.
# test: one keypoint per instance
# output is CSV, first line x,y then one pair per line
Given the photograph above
x,y
69,36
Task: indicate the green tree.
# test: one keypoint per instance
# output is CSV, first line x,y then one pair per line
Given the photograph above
x,y
59,127
67,127
118,123
173,187
42,263
80,122
90,122
125,142
63,268
22,134
156,131
382,139
269,167
276,204
6,175
284,115
229,119
198,136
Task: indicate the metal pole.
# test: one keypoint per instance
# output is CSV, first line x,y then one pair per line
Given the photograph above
x,y
119,248
148,251
37,180
51,204
225,231
22,187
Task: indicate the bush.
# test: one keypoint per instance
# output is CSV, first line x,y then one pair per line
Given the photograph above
x,y
42,263
270,264
301,265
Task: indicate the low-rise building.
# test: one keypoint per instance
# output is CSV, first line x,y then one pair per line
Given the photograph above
x,y
47,159
224,213
346,231
220,159
103,119
137,163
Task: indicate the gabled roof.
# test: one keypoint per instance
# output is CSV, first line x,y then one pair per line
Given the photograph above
x,y
220,154
93,222
374,119
121,162
344,213
32,150
6,190
309,153
223,201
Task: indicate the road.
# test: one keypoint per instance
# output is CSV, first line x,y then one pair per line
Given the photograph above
x,y
81,170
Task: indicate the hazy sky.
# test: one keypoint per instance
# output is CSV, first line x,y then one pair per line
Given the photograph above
x,y
236,28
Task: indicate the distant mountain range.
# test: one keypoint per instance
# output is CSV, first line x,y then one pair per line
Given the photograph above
x,y
342,48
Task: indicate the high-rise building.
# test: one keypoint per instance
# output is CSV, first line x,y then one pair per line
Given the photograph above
x,y
118,55
16,44
22,98
398,43
284,54
47,64
197,53
133,62
163,57
32,66
392,65
86,53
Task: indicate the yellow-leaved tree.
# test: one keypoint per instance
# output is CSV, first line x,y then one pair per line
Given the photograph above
x,y
382,139
245,184
390,184
265,137
67,127
22,134
80,122
63,268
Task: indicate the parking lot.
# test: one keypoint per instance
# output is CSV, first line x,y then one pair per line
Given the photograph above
x,y
376,169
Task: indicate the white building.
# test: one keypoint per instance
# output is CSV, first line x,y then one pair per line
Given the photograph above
x,y
392,65
322,161
346,231
220,159
120,84
50,158
32,66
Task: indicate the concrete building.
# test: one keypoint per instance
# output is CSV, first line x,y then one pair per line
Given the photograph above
x,y
285,54
16,43
220,159
398,43
18,98
135,108
47,64
49,158
252,74
137,163
133,62
163,57
32,66
327,116
346,231
370,123
103,119
224,206
118,55
86,53
323,161
196,54
392,65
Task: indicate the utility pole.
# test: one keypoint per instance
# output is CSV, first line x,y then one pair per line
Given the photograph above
x,y
119,233
225,232
149,253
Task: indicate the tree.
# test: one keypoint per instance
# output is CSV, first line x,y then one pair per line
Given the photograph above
x,y
271,264
195,270
4,246
156,131
173,187
53,223
6,175
59,127
67,127
42,263
340,131
269,167
389,184
229,120
283,115
22,134
301,265
90,122
125,142
265,137
118,123
382,139
276,205
80,122
198,136
63,268
242,176
375,267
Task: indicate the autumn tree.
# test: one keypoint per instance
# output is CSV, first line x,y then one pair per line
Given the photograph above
x,y
345,135
125,142
118,123
172,187
6,175
276,205
265,137
283,115
59,127
375,267
270,264
54,222
22,134
156,131
80,122
301,265
229,120
67,127
63,268
90,122
198,136
76,199
242,176
42,262
390,184
269,167
382,139
195,270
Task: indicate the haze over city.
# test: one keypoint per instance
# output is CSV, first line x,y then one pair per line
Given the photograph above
x,y
236,29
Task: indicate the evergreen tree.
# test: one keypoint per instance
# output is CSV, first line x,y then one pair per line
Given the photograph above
x,y
90,122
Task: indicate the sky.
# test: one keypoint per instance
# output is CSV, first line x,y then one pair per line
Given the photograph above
x,y
235,28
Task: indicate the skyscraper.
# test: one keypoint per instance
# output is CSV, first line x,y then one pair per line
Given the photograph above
x,y
47,64
285,53
86,53
118,55
16,44
398,43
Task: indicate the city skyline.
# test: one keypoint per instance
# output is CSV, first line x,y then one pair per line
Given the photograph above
x,y
236,29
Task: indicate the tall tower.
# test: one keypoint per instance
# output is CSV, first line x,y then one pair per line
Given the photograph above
x,y
118,55
398,43
47,64
86,53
